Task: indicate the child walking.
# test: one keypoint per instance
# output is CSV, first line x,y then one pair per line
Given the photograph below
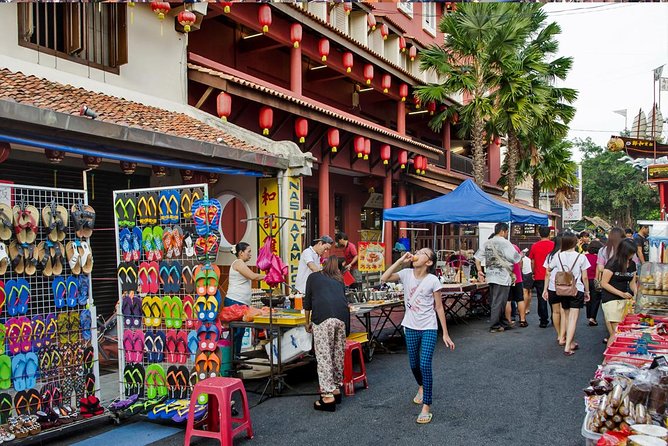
x,y
422,298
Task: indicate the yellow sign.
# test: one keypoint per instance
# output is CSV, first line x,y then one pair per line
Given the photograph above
x,y
295,227
657,172
371,257
268,204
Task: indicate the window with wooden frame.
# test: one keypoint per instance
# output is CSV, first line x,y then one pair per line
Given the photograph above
x,y
429,17
94,34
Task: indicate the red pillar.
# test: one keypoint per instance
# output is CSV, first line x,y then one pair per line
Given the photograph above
x,y
387,204
401,201
323,195
401,118
296,70
446,143
494,163
663,198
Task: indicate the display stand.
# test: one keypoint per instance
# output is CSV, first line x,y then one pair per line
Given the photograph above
x,y
48,328
160,345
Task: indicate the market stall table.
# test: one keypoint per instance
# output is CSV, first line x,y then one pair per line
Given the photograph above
x,y
374,316
457,296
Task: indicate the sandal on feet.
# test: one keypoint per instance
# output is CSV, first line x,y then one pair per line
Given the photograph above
x,y
524,324
323,406
569,353
424,418
418,398
593,323
575,346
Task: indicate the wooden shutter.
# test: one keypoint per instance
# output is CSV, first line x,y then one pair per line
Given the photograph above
x,y
74,32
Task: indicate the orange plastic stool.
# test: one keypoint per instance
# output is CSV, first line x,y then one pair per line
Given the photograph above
x,y
351,377
219,418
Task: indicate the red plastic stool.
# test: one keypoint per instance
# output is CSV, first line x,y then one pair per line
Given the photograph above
x,y
219,417
350,377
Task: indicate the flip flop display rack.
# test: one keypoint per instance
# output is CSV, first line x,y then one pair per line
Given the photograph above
x,y
49,371
169,333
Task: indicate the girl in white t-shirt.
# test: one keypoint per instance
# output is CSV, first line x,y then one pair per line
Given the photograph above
x,y
422,298
567,260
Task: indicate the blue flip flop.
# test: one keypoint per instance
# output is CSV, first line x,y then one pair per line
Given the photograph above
x,y
159,340
85,321
125,241
59,292
24,296
137,241
12,297
163,202
174,202
19,372
83,289
31,368
175,274
193,344
72,291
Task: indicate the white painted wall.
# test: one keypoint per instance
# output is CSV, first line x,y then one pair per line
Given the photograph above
x,y
156,64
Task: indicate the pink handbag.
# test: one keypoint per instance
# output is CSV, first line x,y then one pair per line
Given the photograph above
x,y
278,272
264,255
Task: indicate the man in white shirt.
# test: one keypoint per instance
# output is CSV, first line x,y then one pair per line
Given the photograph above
x,y
500,256
309,261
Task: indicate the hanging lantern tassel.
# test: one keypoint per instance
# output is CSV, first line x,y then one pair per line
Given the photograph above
x,y
92,185
333,139
403,159
131,5
186,19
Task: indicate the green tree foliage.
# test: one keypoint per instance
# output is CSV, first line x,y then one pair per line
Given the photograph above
x,y
614,190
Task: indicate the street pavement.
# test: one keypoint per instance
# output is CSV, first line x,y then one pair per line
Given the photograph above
x,y
495,389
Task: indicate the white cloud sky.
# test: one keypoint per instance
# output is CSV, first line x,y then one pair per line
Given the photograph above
x,y
616,47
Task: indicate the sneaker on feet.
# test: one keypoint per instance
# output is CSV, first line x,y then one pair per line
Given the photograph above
x,y
496,329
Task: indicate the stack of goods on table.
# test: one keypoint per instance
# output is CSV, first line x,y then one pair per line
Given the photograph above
x,y
47,362
653,290
171,335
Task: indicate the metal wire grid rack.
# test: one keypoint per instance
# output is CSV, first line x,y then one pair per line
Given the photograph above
x,y
188,227
70,372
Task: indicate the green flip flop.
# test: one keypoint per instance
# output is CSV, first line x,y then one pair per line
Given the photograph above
x,y
156,382
5,372
3,335
167,311
177,312
158,232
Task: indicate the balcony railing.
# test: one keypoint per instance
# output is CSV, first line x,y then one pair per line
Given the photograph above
x,y
464,164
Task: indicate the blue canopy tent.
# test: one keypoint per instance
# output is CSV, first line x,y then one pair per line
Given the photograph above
x,y
466,204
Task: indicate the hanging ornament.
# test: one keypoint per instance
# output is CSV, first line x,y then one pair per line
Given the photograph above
x,y
455,118
347,7
295,34
386,82
368,73
384,31
323,49
403,92
186,19
224,106
161,9
301,129
367,148
403,158
333,138
131,5
264,17
371,21
417,102
431,106
348,61
55,156
385,153
211,177
358,144
128,167
187,174
266,119
92,162
412,53
159,171
227,7
402,44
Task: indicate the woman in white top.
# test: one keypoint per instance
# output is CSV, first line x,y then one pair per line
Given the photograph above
x,y
567,260
422,298
239,286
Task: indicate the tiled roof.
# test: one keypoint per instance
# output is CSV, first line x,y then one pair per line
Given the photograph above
x,y
45,94
287,95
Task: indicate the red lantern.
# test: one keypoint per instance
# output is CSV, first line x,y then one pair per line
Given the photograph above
x,y
384,31
402,44
368,73
212,178
161,9
385,153
323,49
5,151
371,21
450,7
266,119
92,162
128,167
417,102
359,146
386,82
186,19
264,17
348,61
347,7
455,118
403,92
227,7
187,174
301,129
403,158
367,148
417,164
224,106
55,156
295,34
159,171
412,52
333,139
424,165
431,106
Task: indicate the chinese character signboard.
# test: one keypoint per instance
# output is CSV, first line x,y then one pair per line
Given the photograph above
x,y
268,202
657,173
295,227
371,257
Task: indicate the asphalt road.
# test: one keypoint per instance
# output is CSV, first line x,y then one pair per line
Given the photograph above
x,y
495,389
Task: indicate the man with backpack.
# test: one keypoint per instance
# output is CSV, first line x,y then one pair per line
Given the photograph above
x,y
499,256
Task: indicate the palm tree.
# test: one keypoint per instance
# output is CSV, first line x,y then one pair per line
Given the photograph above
x,y
479,38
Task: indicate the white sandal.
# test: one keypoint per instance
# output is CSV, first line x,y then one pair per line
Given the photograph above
x,y
4,258
86,256
190,249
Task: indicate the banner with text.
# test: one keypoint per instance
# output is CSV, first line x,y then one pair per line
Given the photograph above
x,y
371,257
295,227
268,204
